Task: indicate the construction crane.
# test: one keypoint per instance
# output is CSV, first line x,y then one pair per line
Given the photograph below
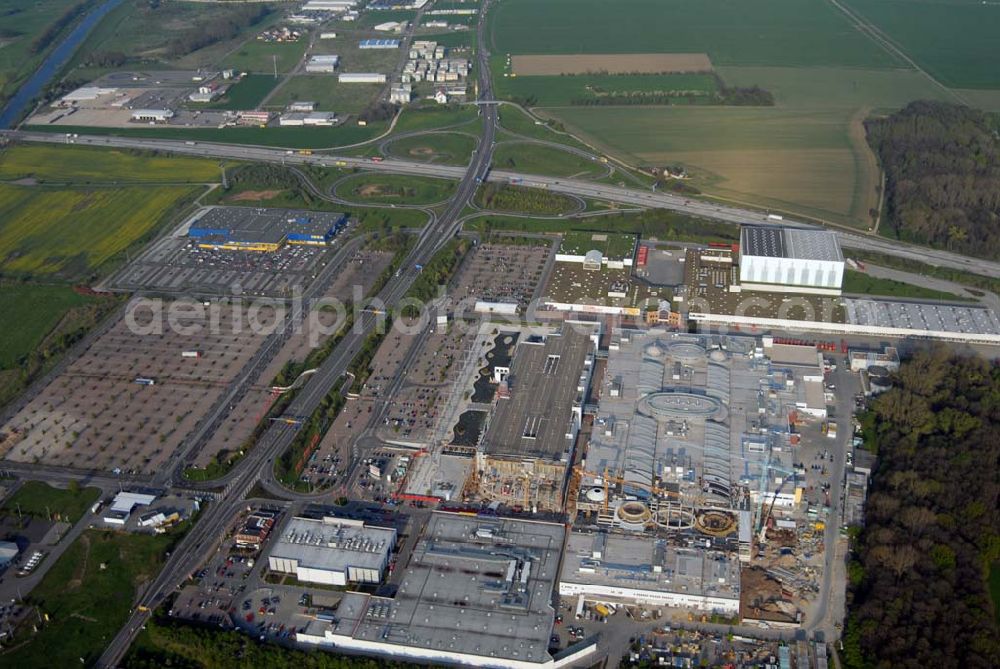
x,y
762,491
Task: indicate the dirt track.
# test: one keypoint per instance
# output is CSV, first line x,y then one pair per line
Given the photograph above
x,y
611,63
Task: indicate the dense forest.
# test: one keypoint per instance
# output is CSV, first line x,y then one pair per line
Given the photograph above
x,y
919,595
942,168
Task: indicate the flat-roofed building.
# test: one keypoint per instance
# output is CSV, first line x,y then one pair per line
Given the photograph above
x,y
332,551
152,115
263,230
639,569
322,64
361,78
123,504
476,592
781,259
528,444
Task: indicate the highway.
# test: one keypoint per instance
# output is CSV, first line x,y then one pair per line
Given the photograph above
x,y
480,163
204,538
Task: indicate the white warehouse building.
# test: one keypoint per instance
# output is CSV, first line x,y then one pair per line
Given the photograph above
x,y
332,551
361,78
789,260
636,569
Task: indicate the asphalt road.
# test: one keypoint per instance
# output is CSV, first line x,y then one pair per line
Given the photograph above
x,y
205,536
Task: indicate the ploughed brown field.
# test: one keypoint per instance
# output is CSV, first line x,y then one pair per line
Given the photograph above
x,y
611,63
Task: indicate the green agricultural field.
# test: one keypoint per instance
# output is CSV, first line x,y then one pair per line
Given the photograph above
x,y
864,284
259,57
806,155
548,160
613,246
87,596
292,138
354,59
776,157
247,93
374,18
153,31
27,324
328,93
80,164
395,189
71,233
562,90
459,117
955,40
448,148
36,498
732,32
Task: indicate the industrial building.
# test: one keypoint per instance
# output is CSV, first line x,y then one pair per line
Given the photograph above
x,y
314,119
328,6
477,592
687,423
123,504
361,78
263,230
378,44
322,64
152,115
528,443
716,294
643,569
781,259
332,551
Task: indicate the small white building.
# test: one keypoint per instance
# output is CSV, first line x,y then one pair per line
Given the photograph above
x,y
152,115
593,260
302,106
323,64
361,78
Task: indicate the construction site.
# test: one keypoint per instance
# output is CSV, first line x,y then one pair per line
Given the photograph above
x,y
704,454
527,449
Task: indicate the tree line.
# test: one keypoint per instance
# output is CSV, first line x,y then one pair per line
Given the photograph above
x,y
166,643
919,595
942,176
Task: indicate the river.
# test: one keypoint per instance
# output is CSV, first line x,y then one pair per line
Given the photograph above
x,y
51,66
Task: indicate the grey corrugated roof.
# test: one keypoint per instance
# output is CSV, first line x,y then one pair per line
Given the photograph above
x,y
777,242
